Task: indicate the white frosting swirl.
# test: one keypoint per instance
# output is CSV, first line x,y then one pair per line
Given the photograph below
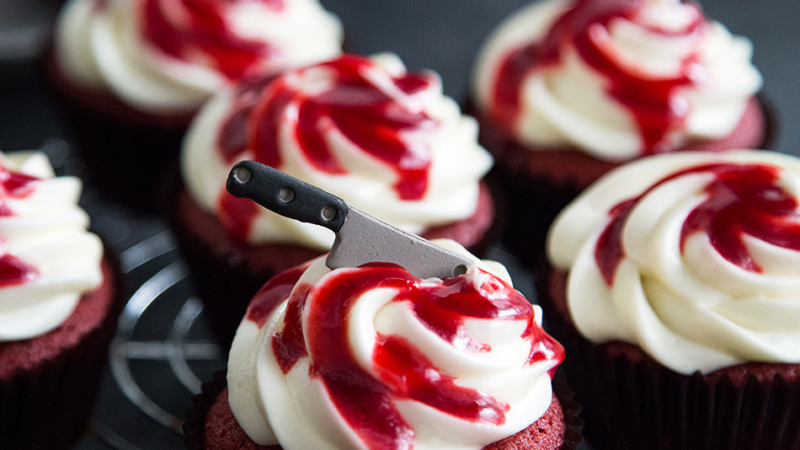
x,y
446,139
104,44
570,104
297,410
729,296
46,231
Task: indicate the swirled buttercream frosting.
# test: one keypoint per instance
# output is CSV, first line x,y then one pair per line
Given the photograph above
x,y
615,79
385,140
374,358
170,55
48,259
693,257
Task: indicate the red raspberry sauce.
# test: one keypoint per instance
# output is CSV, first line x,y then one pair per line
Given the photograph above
x,y
651,101
185,29
742,199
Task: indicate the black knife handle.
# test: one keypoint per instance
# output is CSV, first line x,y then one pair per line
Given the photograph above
x,y
286,195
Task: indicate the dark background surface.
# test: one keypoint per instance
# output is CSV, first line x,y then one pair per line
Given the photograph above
x,y
442,35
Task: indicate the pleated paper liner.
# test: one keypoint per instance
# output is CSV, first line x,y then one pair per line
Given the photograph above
x,y
632,402
48,405
124,150
194,427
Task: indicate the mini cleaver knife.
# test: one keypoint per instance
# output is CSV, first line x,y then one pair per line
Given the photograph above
x,y
360,238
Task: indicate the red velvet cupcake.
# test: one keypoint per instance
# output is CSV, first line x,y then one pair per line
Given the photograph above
x,y
673,289
59,303
385,140
373,357
131,74
567,90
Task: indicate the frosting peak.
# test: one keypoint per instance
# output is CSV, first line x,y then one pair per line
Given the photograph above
x,y
171,55
619,79
693,257
351,97
385,140
454,363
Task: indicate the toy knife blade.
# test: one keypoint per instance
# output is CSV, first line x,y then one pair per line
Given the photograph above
x,y
360,238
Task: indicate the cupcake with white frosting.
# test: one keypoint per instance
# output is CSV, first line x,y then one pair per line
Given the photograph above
x,y
384,139
59,302
373,357
133,73
567,90
680,271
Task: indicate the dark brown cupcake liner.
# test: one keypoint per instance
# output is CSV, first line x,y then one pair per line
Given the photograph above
x,y
633,402
49,406
534,203
194,426
124,150
572,411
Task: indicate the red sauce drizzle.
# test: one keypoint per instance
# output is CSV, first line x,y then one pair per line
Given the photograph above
x,y
14,271
273,293
742,199
289,343
651,101
185,29
366,115
404,370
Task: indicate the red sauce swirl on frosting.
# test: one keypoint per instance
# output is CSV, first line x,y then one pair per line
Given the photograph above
x,y
652,101
14,271
378,119
189,29
404,372
742,199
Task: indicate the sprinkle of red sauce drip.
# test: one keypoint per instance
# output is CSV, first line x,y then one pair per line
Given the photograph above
x,y
14,185
289,344
14,271
411,374
190,29
371,118
404,370
609,252
653,102
273,293
742,199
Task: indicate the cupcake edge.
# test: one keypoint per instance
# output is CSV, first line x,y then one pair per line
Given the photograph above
x,y
194,427
631,401
48,405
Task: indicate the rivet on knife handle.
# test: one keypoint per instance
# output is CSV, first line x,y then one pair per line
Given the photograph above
x,y
287,195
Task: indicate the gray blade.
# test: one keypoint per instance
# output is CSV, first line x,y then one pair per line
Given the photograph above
x,y
363,239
